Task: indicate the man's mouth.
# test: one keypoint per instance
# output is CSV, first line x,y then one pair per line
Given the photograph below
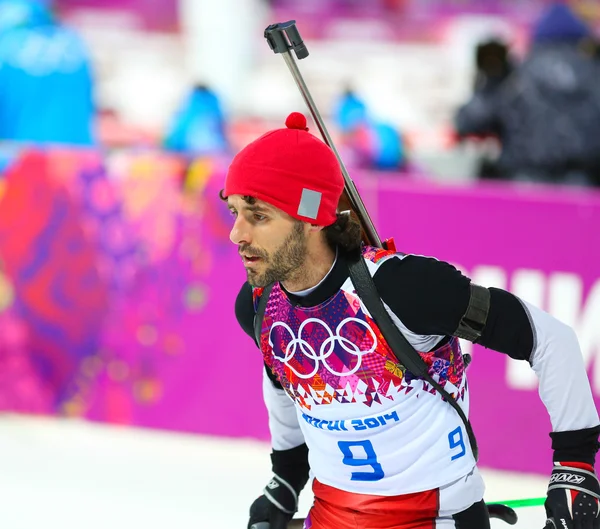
x,y
249,259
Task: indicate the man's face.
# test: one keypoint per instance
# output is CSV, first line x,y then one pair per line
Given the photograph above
x,y
271,243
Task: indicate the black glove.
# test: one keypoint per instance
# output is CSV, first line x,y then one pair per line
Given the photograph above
x,y
279,501
573,495
277,505
574,492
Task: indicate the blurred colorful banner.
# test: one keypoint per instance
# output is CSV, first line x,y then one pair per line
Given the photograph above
x,y
108,278
118,281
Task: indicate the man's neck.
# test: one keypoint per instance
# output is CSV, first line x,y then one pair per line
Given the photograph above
x,y
317,266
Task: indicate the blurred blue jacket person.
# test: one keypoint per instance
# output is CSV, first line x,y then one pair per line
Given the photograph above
x,y
389,151
380,144
350,111
199,126
45,78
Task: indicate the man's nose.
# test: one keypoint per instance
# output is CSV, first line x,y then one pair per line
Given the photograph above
x,y
240,233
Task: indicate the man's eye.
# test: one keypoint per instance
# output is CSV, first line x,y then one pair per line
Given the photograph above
x,y
259,217
233,213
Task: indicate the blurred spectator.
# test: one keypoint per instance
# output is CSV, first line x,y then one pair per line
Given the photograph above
x,y
350,111
373,144
199,126
493,64
546,113
45,75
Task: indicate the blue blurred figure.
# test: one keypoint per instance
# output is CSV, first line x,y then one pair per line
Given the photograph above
x,y
389,149
350,112
199,126
45,75
375,144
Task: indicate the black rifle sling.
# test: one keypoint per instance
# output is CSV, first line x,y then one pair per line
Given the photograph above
x,y
403,350
260,312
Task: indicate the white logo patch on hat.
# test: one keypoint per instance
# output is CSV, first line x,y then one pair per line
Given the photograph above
x,y
309,203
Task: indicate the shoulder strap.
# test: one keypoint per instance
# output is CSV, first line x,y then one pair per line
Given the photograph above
x,y
260,312
403,350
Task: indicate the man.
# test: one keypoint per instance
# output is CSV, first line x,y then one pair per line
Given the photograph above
x,y
546,112
385,449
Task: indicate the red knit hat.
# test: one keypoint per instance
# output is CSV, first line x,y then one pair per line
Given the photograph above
x,y
290,169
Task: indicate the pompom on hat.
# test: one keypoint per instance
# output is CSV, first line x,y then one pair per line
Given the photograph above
x,y
290,169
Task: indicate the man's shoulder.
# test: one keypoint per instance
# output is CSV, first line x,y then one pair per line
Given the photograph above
x,y
411,267
428,295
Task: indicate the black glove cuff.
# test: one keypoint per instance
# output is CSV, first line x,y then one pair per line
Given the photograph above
x,y
292,466
576,445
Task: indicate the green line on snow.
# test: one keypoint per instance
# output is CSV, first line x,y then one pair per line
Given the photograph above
x,y
528,502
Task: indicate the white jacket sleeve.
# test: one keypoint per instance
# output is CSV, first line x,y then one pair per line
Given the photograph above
x,y
558,363
283,418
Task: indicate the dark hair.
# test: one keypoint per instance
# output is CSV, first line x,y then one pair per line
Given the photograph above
x,y
248,199
346,234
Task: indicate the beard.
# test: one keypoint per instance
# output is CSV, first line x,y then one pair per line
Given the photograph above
x,y
286,261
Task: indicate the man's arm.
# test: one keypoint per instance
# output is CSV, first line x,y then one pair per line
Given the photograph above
x,y
289,455
432,297
283,419
564,388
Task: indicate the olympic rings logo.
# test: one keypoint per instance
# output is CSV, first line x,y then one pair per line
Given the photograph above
x,y
326,349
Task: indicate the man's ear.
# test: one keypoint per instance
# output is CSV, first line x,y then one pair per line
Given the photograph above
x,y
316,228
